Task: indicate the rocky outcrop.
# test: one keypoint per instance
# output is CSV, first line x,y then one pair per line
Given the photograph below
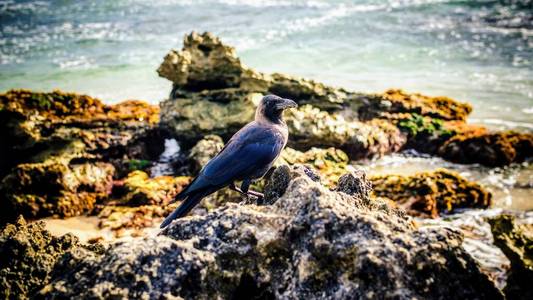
x,y
60,151
430,193
516,242
29,254
215,93
492,149
311,243
397,104
208,99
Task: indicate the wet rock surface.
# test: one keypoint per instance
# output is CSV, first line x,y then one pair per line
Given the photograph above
x,y
516,242
431,193
311,243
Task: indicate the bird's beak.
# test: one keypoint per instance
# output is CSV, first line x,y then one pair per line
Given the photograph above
x,y
287,103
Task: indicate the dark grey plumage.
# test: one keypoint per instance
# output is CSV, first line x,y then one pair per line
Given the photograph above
x,y
247,156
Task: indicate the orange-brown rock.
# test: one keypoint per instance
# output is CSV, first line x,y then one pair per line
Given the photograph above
x,y
430,193
396,104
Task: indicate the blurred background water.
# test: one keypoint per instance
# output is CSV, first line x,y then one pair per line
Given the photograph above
x,y
477,51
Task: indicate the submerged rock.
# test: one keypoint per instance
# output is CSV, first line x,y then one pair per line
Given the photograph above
x,y
29,254
430,193
311,243
516,242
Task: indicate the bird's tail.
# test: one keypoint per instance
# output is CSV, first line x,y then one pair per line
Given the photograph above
x,y
186,206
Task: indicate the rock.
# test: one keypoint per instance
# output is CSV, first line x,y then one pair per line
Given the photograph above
x,y
29,254
119,218
396,104
36,122
331,163
190,119
311,127
206,99
311,243
430,193
355,184
204,63
54,187
426,134
139,189
60,151
204,151
487,148
516,242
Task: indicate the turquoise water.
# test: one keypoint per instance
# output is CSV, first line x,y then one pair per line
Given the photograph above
x,y
475,51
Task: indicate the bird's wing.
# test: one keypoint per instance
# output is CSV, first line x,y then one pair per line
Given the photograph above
x,y
246,152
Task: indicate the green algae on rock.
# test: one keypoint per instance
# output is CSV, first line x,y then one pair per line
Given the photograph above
x,y
311,243
430,193
29,254
516,242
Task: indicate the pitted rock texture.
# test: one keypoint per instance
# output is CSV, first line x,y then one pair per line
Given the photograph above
x,y
28,254
312,243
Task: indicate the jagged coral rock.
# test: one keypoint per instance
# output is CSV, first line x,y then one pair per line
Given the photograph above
x,y
311,243
516,242
429,193
490,149
197,106
395,104
29,254
204,63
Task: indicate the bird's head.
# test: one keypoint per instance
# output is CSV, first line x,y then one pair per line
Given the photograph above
x,y
271,108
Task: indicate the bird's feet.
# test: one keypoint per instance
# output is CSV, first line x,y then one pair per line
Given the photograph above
x,y
258,196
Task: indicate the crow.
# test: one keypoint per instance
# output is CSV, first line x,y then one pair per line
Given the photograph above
x,y
247,156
